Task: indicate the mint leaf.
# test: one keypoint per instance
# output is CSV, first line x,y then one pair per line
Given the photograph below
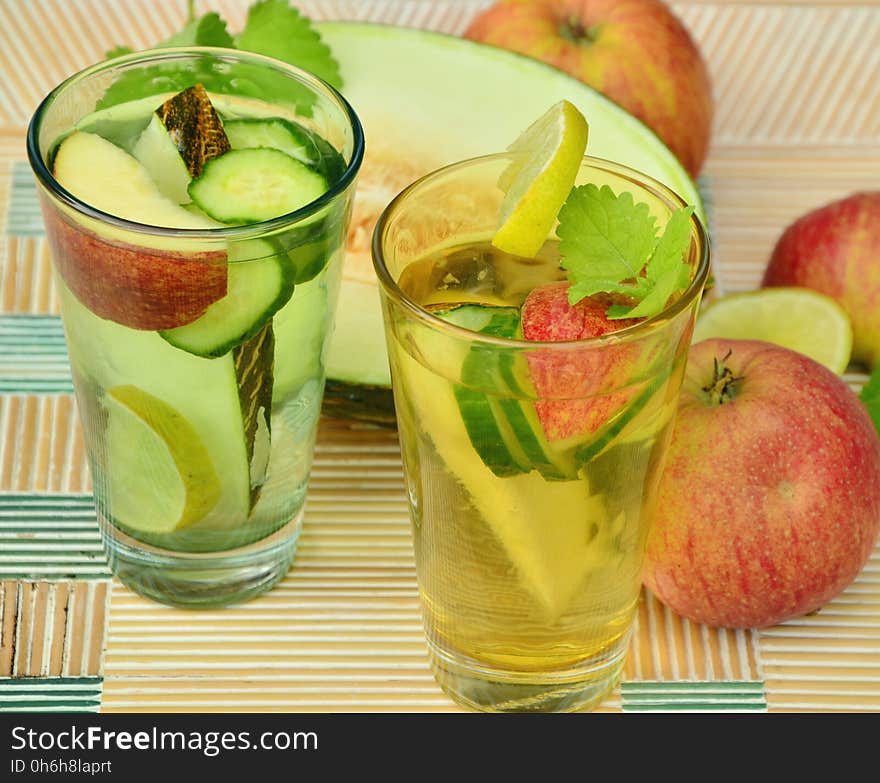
x,y
276,29
272,28
666,272
604,240
656,298
209,30
118,51
672,245
870,396
609,244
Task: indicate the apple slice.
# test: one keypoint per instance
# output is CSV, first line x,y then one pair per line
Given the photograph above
x,y
139,287
157,152
580,389
159,476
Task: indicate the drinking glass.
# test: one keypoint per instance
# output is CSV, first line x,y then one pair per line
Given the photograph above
x,y
199,451
531,467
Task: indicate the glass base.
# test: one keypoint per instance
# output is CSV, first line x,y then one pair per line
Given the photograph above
x,y
202,580
485,689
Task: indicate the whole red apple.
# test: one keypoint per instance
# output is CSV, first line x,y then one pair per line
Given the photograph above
x,y
636,52
769,503
835,250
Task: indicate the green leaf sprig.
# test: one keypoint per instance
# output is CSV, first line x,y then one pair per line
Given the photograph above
x,y
870,396
273,28
609,244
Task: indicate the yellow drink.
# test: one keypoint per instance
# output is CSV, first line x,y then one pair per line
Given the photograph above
x,y
528,546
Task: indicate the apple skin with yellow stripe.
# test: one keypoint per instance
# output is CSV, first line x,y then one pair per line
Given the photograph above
x,y
834,249
769,503
636,52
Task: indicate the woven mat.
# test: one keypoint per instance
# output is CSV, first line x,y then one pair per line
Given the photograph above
x,y
798,124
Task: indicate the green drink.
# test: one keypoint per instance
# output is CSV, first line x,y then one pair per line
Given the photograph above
x,y
197,238
531,462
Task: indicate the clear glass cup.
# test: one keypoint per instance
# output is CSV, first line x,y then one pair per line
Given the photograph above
x,y
531,467
199,452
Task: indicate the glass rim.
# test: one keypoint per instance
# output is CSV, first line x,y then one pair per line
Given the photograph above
x,y
48,181
629,333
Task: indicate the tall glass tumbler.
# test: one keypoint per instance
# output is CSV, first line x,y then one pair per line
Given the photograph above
x,y
531,467
197,353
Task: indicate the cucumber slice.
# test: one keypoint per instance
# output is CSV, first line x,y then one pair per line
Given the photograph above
x,y
307,245
290,137
275,132
504,428
258,284
611,430
488,430
310,258
301,323
252,185
159,155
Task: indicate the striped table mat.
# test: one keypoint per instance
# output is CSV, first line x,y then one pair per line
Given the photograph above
x,y
798,124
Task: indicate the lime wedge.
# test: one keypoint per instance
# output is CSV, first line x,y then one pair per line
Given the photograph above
x,y
546,159
158,475
796,318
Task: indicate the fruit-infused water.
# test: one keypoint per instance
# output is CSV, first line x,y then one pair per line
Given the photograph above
x,y
520,569
197,330
531,464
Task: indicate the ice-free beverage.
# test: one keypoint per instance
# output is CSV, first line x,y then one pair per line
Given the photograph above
x,y
197,267
532,466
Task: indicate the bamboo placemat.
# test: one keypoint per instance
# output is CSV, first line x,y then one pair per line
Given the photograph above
x,y
797,124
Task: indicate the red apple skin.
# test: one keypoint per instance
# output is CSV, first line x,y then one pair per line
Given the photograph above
x,y
572,385
636,52
769,503
835,250
134,286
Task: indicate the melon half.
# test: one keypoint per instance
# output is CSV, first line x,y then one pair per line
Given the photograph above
x,y
427,99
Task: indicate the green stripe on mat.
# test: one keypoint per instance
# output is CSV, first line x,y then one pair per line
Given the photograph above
x,y
51,694
23,218
33,355
731,696
50,537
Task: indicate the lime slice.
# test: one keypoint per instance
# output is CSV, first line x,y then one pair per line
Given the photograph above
x,y
158,474
546,160
796,318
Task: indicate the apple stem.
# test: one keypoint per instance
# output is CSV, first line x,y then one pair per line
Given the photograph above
x,y
573,30
721,388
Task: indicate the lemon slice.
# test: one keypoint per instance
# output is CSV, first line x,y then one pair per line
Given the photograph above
x,y
546,159
796,318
